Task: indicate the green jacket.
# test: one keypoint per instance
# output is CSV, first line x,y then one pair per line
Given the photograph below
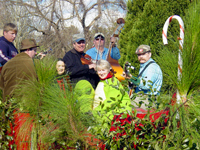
x,y
85,95
108,92
19,68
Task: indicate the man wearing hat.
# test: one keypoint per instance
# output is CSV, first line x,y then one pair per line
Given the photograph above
x,y
99,51
150,78
74,66
149,72
19,68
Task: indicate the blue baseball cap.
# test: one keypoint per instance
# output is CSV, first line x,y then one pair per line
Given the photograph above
x,y
78,37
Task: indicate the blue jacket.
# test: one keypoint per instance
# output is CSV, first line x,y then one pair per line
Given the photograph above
x,y
151,79
115,54
7,50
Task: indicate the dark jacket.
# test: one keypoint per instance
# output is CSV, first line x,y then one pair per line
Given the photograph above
x,y
19,68
7,50
77,70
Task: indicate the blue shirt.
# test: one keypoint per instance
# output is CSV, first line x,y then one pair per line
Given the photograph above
x,y
115,54
151,79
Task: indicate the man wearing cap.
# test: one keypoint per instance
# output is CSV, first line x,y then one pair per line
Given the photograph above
x,y
19,68
74,66
150,76
7,48
99,51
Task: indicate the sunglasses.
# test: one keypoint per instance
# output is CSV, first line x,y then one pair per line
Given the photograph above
x,y
99,39
34,48
142,54
81,42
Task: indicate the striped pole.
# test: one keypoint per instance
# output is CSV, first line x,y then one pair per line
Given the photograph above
x,y
181,38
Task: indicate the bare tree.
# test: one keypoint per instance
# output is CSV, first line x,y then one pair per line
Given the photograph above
x,y
15,14
49,19
82,11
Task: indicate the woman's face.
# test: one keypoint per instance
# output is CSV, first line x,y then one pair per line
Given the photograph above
x,y
60,67
102,73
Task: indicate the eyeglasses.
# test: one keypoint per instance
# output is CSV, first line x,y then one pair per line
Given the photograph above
x,y
142,54
81,42
97,39
34,48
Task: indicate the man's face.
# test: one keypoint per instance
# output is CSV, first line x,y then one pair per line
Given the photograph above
x,y
79,46
32,52
60,67
142,58
99,42
10,35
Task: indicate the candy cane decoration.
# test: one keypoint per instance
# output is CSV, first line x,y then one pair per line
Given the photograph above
x,y
181,38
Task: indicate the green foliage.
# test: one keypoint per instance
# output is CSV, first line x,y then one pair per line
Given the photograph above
x,y
168,59
56,115
57,118
177,130
182,129
144,23
6,121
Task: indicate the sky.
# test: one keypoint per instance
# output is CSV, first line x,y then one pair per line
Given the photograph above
x,y
104,22
65,8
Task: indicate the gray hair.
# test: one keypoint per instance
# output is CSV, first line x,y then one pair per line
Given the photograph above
x,y
103,64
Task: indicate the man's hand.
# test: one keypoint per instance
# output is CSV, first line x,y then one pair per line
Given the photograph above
x,y
92,66
41,55
113,41
135,80
126,76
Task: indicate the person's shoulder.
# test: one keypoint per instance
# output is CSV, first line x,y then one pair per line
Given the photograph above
x,y
3,41
90,50
1,38
68,52
112,80
22,54
12,61
154,67
21,57
155,64
105,48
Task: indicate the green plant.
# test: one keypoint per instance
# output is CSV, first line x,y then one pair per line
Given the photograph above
x,y
6,124
57,116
